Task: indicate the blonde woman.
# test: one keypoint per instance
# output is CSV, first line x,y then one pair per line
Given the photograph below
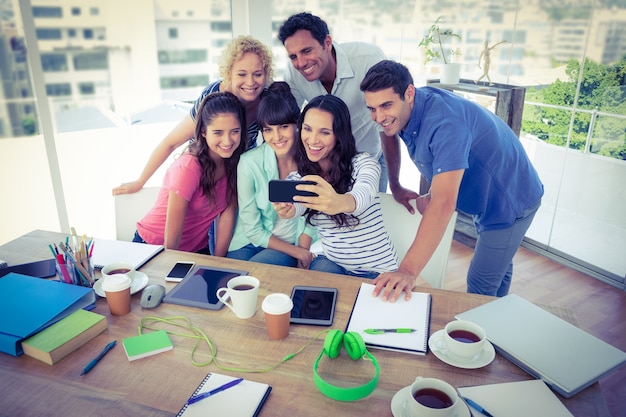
x,y
246,70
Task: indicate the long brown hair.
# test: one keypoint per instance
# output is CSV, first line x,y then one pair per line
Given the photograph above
x,y
341,170
214,105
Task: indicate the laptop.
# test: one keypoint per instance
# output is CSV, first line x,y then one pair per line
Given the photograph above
x,y
565,357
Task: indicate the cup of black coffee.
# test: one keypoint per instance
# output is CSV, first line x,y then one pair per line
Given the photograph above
x,y
431,397
464,340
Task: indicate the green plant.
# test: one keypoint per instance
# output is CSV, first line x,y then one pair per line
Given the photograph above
x,y
433,41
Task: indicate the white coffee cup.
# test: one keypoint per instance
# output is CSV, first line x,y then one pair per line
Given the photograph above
x,y
463,339
118,268
431,397
243,292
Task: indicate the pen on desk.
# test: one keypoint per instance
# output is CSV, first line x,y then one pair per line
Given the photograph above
x,y
93,363
478,407
207,394
381,331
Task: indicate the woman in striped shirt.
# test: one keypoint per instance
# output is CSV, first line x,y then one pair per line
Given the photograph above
x,y
346,211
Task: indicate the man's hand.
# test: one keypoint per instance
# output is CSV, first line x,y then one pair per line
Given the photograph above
x,y
403,196
393,283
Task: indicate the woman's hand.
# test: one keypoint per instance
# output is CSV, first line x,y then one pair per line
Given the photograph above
x,y
128,188
328,201
285,210
304,257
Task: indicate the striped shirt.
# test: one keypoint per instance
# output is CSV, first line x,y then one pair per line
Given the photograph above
x,y
365,247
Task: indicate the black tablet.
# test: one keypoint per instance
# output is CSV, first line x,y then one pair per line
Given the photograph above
x,y
39,269
313,305
199,287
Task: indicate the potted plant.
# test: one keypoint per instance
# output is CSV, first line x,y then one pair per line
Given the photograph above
x,y
433,44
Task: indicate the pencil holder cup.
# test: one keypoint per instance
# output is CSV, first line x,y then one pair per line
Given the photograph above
x,y
66,273
76,272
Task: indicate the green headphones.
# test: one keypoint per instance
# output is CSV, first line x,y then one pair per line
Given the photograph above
x,y
355,348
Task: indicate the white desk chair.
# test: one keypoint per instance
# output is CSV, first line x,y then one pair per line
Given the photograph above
x,y
402,227
130,208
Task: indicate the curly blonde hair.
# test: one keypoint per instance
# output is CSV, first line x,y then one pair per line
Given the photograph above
x,y
236,49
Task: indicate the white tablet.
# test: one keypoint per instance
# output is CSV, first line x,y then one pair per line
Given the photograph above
x,y
313,305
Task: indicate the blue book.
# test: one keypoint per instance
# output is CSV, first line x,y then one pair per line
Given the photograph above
x,y
29,304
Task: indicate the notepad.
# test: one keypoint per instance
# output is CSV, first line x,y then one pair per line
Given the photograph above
x,y
147,344
373,312
243,400
108,251
516,399
565,357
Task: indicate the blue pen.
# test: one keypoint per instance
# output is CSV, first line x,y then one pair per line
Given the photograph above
x,y
93,363
478,407
204,395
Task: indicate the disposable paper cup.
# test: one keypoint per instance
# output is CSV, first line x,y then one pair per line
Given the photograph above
x,y
117,290
277,308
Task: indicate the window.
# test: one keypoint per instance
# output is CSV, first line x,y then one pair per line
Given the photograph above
x,y
41,11
173,33
87,89
183,57
182,82
71,33
54,62
48,34
91,61
94,11
221,27
62,89
75,11
88,33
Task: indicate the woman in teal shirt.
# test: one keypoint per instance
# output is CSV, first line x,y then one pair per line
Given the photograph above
x,y
260,235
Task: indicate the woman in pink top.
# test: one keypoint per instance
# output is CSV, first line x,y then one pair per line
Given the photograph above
x,y
202,183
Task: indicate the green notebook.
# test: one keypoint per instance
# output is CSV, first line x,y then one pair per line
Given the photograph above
x,y
65,336
147,344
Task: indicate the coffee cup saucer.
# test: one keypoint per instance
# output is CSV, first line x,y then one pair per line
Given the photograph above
x,y
139,282
398,408
484,358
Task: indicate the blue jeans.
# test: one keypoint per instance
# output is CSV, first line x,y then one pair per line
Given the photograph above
x,y
323,264
262,255
491,268
137,238
384,177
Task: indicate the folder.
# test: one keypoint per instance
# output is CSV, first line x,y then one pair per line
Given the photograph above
x,y
29,304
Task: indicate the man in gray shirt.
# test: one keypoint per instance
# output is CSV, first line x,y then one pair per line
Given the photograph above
x,y
320,66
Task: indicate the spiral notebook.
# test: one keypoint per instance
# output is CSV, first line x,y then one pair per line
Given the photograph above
x,y
106,251
243,400
371,312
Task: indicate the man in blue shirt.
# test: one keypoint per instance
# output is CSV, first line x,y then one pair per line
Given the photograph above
x,y
473,161
320,66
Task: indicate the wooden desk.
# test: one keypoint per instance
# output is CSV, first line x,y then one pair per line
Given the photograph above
x,y
160,385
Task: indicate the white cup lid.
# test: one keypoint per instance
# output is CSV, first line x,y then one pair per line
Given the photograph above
x,y
277,303
116,282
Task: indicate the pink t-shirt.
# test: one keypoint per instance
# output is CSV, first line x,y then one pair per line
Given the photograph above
x,y
183,178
